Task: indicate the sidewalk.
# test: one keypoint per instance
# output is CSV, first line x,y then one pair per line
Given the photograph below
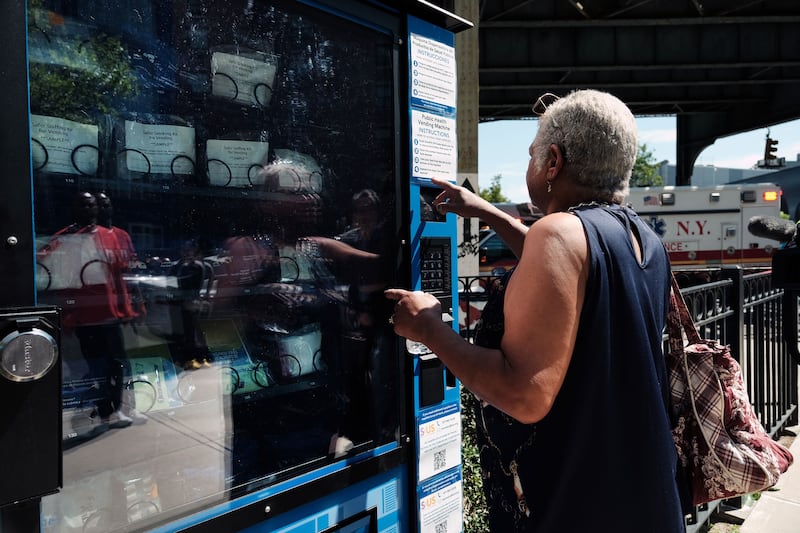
x,y
778,510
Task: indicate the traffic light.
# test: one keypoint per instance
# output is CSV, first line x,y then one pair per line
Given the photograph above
x,y
770,149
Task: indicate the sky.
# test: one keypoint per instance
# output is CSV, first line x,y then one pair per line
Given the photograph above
x,y
503,149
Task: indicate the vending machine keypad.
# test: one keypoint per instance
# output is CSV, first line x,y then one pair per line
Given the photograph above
x,y
435,270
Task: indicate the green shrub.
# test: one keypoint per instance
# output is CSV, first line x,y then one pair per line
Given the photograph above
x,y
476,516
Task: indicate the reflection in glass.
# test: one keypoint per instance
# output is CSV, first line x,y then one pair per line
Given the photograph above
x,y
219,172
215,213
39,155
136,160
85,158
63,146
243,76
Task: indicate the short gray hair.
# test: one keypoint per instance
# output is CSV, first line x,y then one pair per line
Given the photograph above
x,y
598,136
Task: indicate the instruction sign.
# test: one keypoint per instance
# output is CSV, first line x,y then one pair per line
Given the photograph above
x,y
439,440
433,95
440,507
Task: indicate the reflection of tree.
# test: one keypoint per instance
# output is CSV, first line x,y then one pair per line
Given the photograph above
x,y
83,71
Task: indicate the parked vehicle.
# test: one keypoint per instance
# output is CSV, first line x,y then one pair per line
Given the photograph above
x,y
707,226
494,255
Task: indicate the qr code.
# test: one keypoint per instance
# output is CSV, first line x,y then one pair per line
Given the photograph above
x,y
439,460
440,527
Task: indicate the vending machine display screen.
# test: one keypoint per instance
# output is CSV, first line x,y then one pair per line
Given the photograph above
x,y
215,195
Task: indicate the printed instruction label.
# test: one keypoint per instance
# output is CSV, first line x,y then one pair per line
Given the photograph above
x,y
439,440
65,146
433,71
236,163
440,507
245,80
433,146
159,148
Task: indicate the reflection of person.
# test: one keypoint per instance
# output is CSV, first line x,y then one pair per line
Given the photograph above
x,y
296,210
191,273
568,363
364,234
249,261
367,259
120,252
86,263
360,257
358,254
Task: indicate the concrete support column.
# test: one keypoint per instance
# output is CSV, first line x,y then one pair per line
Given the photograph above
x,y
467,128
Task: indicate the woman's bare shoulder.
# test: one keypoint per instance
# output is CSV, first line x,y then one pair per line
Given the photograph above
x,y
561,230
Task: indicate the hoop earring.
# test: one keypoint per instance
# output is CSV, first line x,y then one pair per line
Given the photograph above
x,y
549,186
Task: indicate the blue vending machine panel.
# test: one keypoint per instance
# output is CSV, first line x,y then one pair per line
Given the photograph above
x,y
433,153
212,197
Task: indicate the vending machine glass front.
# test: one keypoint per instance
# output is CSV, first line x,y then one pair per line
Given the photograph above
x,y
216,214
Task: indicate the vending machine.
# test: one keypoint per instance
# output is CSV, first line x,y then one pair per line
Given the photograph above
x,y
205,201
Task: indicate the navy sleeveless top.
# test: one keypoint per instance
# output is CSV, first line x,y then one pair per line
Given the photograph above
x,y
603,458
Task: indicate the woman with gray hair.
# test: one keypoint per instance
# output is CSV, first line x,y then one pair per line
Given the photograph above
x,y
573,422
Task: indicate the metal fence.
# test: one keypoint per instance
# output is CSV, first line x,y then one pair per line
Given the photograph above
x,y
739,308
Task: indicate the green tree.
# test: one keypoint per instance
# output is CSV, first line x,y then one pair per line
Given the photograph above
x,y
494,193
645,169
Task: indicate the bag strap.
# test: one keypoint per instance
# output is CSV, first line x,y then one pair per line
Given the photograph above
x,y
678,319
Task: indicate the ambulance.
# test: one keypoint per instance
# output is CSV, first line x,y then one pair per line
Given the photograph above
x,y
707,226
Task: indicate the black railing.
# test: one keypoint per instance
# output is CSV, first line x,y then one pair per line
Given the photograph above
x,y
472,294
746,312
741,309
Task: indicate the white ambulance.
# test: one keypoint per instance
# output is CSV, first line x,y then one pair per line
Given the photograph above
x,y
707,226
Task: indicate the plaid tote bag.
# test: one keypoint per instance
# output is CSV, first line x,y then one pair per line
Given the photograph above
x,y
723,450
